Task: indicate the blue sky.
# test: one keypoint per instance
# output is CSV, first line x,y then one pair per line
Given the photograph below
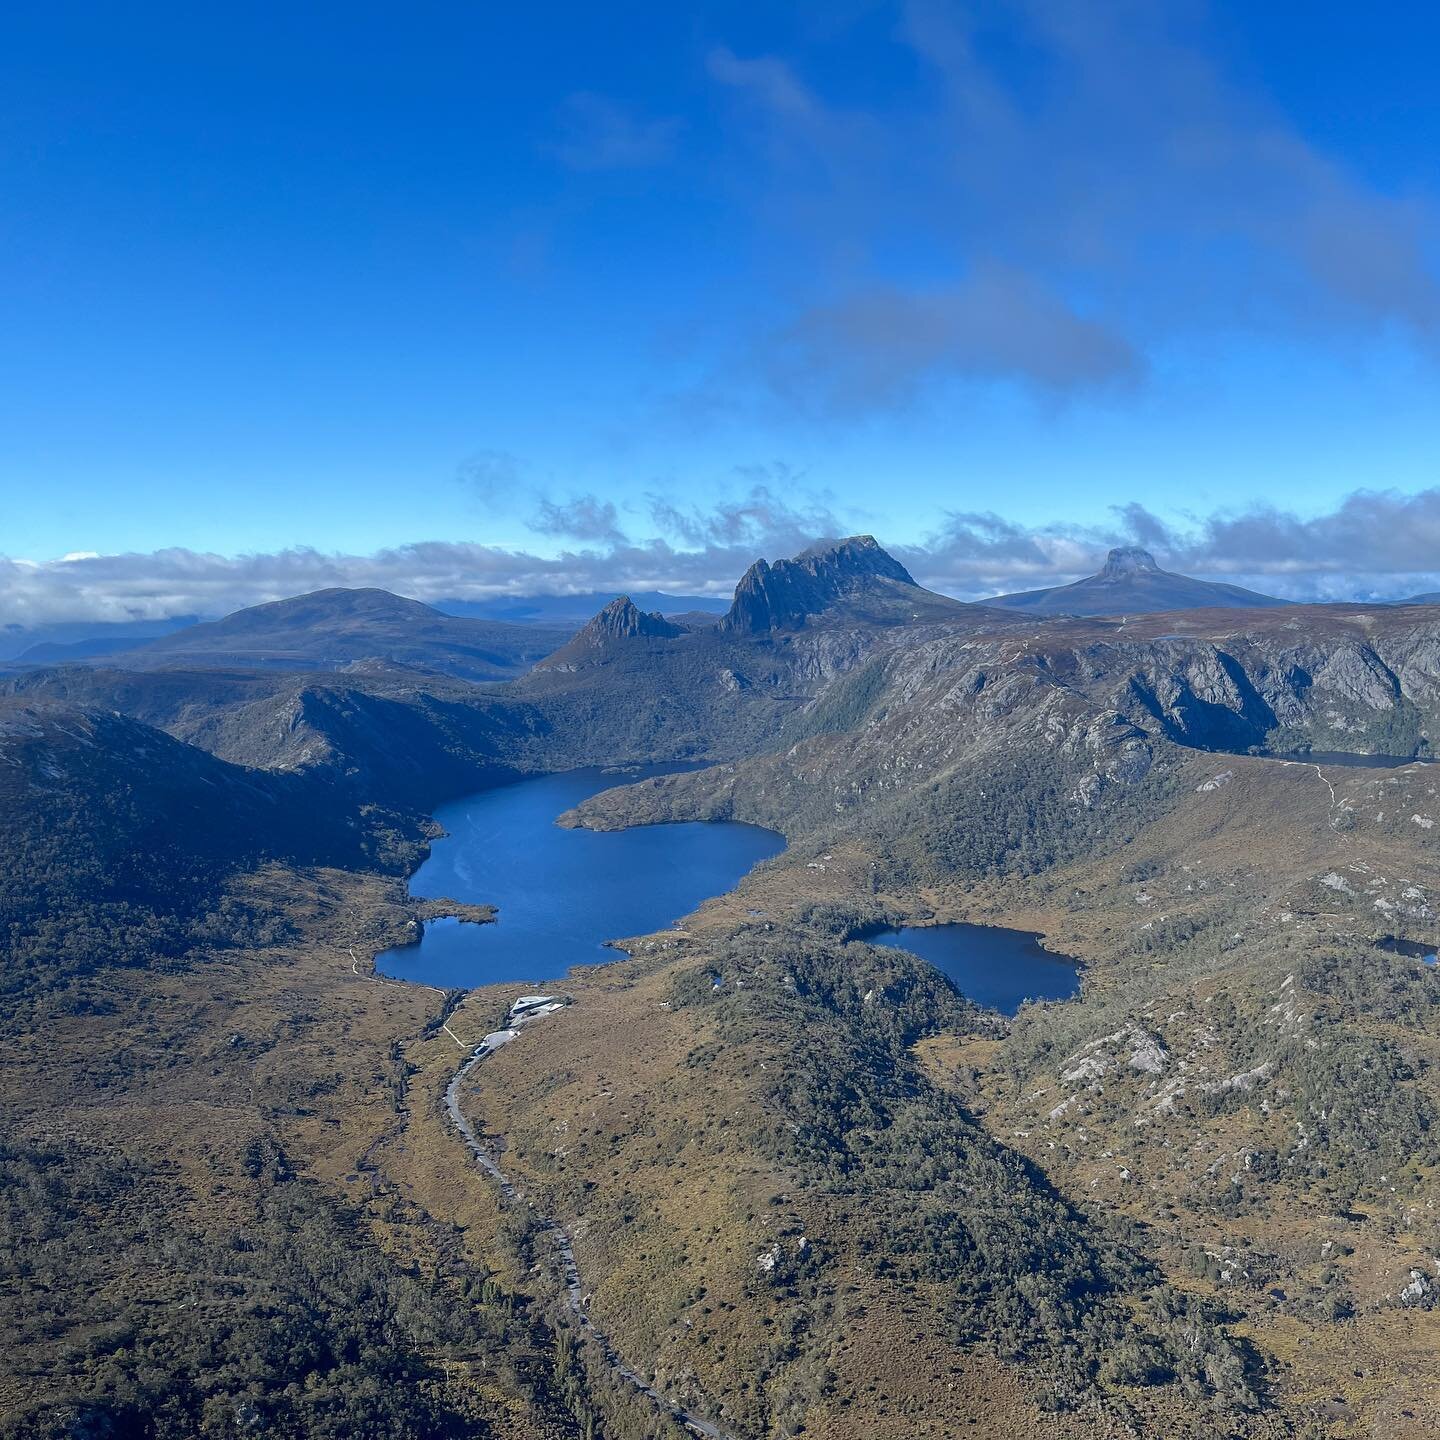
x,y
629,291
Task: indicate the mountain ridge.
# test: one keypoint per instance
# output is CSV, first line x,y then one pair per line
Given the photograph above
x,y
853,578
333,627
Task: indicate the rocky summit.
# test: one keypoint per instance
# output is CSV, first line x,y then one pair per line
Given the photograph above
x,y
621,619
1131,582
853,577
1127,560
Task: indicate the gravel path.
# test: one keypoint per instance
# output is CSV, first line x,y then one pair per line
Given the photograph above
x,y
559,1237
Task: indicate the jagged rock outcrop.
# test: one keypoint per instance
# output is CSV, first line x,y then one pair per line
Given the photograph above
x,y
854,578
622,619
1098,703
1127,560
619,622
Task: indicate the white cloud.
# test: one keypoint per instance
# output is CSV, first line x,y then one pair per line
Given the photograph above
x,y
1380,543
1073,182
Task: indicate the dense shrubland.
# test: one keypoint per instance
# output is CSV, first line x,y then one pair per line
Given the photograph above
x,y
937,1199
119,843
1016,814
289,1323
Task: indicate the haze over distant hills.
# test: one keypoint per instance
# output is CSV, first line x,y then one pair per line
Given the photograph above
x,y
860,578
58,642
572,611
852,579
48,642
338,627
1131,582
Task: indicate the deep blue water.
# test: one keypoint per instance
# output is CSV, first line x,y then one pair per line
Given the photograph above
x,y
1415,949
990,965
1345,757
561,893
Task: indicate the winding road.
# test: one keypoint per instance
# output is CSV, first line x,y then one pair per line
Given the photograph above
x,y
558,1236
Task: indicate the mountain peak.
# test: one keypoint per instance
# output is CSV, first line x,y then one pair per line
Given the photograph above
x,y
326,628
784,595
622,618
853,555
1131,582
1127,560
337,604
856,553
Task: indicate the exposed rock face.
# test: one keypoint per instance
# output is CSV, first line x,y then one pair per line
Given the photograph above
x,y
783,596
1097,701
621,619
607,636
917,685
1125,561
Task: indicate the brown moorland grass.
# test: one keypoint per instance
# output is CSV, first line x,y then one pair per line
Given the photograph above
x,y
1234,877
186,1069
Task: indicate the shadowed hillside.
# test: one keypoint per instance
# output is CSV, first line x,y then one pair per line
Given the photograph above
x,y
331,628
118,837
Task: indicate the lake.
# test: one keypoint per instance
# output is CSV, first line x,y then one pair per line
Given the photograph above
x,y
1415,949
992,966
561,893
1345,757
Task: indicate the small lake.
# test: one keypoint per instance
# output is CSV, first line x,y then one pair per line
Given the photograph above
x,y
1346,757
1415,949
561,893
992,966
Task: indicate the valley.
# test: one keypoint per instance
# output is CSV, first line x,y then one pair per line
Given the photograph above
x,y
811,1188
522,919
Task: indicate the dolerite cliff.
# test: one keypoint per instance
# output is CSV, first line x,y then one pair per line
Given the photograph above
x,y
851,579
879,684
1084,707
622,619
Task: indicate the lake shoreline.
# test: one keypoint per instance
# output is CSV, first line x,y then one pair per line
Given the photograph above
x,y
993,966
551,898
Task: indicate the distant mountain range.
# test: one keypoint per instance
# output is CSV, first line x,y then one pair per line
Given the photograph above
x,y
331,628
853,577
78,639
837,582
851,581
1130,582
572,611
62,641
